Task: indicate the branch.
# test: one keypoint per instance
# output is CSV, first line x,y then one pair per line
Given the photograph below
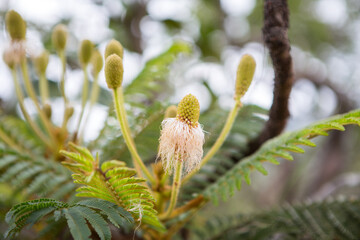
x,y
276,23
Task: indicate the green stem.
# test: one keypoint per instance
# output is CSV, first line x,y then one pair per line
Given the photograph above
x,y
175,188
219,142
122,118
84,98
93,99
29,88
27,117
44,88
63,70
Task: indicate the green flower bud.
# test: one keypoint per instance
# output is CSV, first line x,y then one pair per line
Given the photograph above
x,y
114,47
59,37
41,62
114,71
188,110
9,59
69,111
244,75
170,112
97,62
85,52
16,26
47,110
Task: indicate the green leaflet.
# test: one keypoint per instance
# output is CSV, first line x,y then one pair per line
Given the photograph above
x,y
112,182
278,147
329,219
247,125
77,215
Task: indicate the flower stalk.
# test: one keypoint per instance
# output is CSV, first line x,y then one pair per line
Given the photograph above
x,y
175,188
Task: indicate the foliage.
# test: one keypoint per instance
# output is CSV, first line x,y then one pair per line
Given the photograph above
x,y
329,219
277,147
93,211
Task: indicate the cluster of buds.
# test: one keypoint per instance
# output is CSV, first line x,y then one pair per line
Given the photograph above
x,y
16,27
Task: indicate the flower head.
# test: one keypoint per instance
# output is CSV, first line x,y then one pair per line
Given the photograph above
x,y
182,138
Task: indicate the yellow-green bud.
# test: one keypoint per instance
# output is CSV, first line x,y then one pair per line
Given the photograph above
x,y
97,62
85,52
170,112
41,62
47,110
244,75
69,111
59,37
9,59
188,110
114,71
16,26
114,47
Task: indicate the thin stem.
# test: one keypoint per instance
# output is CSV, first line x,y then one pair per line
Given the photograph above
x,y
84,98
93,99
32,124
62,81
6,139
29,88
43,88
122,118
177,226
219,142
175,187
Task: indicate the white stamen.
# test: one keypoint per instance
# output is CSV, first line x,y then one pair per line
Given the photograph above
x,y
180,142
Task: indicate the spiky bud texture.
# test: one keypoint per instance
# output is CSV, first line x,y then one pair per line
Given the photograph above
x,y
59,37
182,138
15,25
97,62
188,110
114,71
85,52
41,62
114,47
244,75
170,112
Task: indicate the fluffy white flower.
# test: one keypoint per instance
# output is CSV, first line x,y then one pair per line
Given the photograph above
x,y
182,138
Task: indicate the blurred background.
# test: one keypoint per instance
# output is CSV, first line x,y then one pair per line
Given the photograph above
x,y
325,39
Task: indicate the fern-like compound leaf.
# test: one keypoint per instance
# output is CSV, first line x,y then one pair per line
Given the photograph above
x,y
113,182
79,216
278,147
329,219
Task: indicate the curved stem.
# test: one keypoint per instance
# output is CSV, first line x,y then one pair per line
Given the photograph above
x,y
43,88
121,116
219,141
93,99
63,70
29,88
175,188
32,124
85,92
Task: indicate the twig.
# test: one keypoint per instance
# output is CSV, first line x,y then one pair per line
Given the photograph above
x,y
276,23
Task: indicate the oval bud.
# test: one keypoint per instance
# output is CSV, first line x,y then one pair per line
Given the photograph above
x,y
9,59
114,71
97,62
188,110
47,110
41,62
85,52
244,75
170,112
114,47
69,111
59,37
15,25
